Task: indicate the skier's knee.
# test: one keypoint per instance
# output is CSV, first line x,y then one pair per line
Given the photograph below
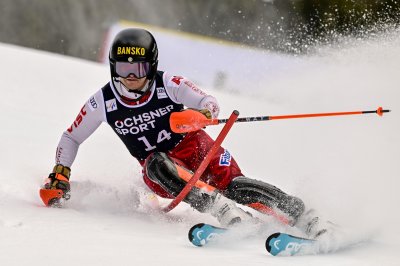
x,y
161,169
164,171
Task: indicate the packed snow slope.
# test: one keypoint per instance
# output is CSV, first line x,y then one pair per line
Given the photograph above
x,y
345,167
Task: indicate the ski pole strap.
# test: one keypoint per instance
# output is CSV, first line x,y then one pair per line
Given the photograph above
x,y
196,176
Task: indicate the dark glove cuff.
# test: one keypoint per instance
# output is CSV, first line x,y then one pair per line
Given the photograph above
x,y
61,169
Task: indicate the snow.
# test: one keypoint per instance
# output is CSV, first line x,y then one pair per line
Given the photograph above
x,y
345,167
223,63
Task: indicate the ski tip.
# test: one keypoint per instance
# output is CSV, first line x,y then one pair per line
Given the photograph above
x,y
269,241
194,227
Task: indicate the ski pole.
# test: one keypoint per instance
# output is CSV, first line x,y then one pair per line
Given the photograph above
x,y
191,120
204,163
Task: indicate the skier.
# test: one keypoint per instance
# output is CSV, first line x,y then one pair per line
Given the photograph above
x,y
137,104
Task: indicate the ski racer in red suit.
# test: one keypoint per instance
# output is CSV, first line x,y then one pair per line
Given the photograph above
x,y
137,104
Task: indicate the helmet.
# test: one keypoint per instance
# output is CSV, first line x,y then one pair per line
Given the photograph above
x,y
134,51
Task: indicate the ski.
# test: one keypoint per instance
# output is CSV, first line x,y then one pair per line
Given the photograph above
x,y
277,244
201,234
281,244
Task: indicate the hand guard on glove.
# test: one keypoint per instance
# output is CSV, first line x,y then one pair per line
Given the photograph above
x,y
206,113
57,187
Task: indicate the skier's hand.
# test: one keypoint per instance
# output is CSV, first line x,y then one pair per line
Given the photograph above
x,y
59,179
206,113
56,186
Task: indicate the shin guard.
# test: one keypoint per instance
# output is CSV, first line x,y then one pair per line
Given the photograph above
x,y
260,195
172,177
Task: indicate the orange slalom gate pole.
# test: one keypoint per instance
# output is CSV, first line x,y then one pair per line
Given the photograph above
x,y
196,176
190,120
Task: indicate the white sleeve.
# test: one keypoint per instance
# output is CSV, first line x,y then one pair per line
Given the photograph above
x,y
182,90
88,120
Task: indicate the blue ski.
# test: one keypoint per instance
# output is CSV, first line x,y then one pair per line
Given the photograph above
x,y
200,234
278,244
281,244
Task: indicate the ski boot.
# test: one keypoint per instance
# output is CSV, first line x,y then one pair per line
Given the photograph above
x,y
227,212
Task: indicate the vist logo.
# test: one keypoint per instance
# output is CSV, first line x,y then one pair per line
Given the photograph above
x,y
225,159
111,105
194,87
78,120
131,50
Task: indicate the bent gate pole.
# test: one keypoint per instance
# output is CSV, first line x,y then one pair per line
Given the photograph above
x,y
204,163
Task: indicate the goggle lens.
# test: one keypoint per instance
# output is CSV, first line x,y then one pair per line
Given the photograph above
x,y
138,69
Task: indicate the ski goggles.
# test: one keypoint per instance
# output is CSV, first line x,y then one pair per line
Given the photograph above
x,y
138,69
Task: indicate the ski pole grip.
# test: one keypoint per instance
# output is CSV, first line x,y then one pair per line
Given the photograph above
x,y
204,164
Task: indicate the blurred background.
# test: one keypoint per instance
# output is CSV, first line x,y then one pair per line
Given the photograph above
x,y
78,28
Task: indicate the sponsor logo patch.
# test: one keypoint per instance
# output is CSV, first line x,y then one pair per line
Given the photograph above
x,y
133,50
225,159
143,122
194,87
175,81
93,104
111,105
161,94
78,120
